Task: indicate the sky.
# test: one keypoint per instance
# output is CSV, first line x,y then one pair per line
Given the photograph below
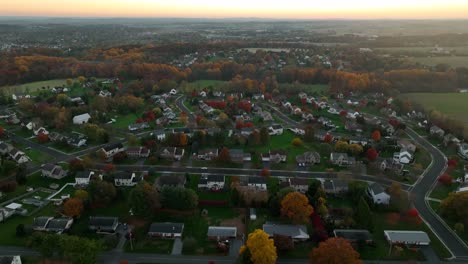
x,y
294,9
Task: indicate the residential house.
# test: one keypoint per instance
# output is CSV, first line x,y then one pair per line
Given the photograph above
x,y
341,159
246,131
173,92
166,230
10,259
160,135
5,148
138,126
77,100
378,194
414,238
40,223
127,179
238,155
275,156
308,117
77,140
353,127
173,153
56,137
407,145
220,233
83,178
463,150
299,184
436,131
296,232
53,171
354,236
6,213
266,116
389,129
51,224
257,183
276,130
40,130
113,149
105,93
388,164
308,158
403,157
170,180
103,224
137,152
451,139
81,119
208,154
212,182
321,135
359,140
18,156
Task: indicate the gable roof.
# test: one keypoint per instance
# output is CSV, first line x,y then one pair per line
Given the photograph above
x,y
294,231
102,221
407,237
376,188
168,228
222,231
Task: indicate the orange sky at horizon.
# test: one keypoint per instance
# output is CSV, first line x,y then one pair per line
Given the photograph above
x,y
298,9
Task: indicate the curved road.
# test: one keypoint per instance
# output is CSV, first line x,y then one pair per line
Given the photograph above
x,y
423,188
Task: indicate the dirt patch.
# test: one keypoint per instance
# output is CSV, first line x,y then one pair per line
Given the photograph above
x,y
237,222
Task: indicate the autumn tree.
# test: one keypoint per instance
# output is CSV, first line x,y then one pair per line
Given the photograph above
x,y
283,243
42,138
143,200
260,247
445,179
297,142
73,207
296,207
342,146
372,154
2,132
224,155
264,136
454,207
335,251
82,195
356,149
376,136
265,172
102,193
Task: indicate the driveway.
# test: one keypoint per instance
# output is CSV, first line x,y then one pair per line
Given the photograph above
x,y
177,247
235,245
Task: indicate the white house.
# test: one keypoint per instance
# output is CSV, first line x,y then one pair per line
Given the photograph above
x,y
111,150
105,93
53,171
5,213
83,178
403,157
378,194
166,230
81,119
296,232
407,237
10,259
463,150
258,183
127,179
212,182
276,130
40,130
173,92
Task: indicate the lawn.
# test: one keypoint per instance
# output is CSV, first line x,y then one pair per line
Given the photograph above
x,y
451,104
441,191
453,61
32,86
36,180
38,157
125,121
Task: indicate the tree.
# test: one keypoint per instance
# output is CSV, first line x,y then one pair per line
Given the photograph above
x,y
108,168
73,207
82,195
296,207
224,155
102,193
454,207
2,132
20,230
261,248
309,133
264,136
297,142
283,243
178,198
265,173
357,190
143,200
376,135
356,149
42,138
341,146
445,179
335,251
372,154
364,215
459,228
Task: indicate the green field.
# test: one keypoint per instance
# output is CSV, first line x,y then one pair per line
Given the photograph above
x,y
462,50
33,86
453,61
452,104
253,50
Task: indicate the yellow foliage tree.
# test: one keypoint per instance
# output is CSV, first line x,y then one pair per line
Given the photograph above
x,y
296,207
262,249
335,251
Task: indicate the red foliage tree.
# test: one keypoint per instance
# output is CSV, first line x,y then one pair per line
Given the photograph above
x,y
376,135
109,168
328,138
2,132
343,113
394,122
413,212
246,106
150,116
445,179
452,163
139,120
217,104
372,154
42,138
265,172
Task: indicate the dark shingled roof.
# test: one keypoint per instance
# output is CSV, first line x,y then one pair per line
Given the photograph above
x,y
166,228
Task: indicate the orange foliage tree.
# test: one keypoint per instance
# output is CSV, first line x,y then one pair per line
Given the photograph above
x,y
376,135
73,207
335,251
296,207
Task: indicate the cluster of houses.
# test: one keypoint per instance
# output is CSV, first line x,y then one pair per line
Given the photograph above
x,y
13,153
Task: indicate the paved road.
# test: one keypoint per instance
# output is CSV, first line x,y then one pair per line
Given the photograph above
x,y
252,172
423,188
286,119
180,104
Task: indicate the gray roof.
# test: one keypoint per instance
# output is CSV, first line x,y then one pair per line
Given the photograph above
x,y
257,180
353,234
166,228
58,223
48,167
103,221
222,231
407,237
6,259
41,221
376,188
285,230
